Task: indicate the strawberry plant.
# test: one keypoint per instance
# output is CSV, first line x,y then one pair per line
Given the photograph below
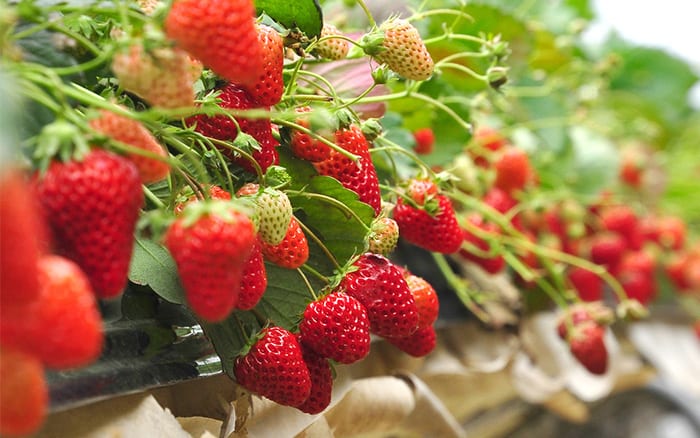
x,y
258,162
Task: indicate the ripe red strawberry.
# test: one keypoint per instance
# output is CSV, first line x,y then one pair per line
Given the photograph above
x,y
512,170
607,249
637,285
210,242
384,236
426,300
268,89
485,142
273,213
92,207
321,382
588,285
292,252
675,268
162,77
63,326
642,261
418,344
379,285
274,367
360,176
671,232
20,233
215,192
332,48
403,50
24,395
587,345
633,166
223,127
433,224
254,279
425,140
492,264
499,200
303,145
579,313
133,133
336,327
421,190
503,202
221,34
623,220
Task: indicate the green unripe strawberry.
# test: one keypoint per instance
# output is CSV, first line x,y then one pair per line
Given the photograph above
x,y
273,212
384,236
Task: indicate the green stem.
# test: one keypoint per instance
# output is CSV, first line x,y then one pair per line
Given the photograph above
x,y
393,147
331,88
308,285
428,13
370,18
459,286
316,274
462,69
153,198
449,111
334,202
318,241
451,36
89,65
359,97
317,137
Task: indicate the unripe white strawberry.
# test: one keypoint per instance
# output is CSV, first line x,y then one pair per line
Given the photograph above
x,y
402,50
273,212
162,77
384,236
332,48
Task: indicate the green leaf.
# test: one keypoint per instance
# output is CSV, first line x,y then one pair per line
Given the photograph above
x,y
230,336
152,265
304,14
655,75
286,296
341,232
282,305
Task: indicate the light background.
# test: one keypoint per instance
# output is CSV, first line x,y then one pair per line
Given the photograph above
x,y
673,25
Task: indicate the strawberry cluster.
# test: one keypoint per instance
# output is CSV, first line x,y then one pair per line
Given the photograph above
x,y
373,297
606,250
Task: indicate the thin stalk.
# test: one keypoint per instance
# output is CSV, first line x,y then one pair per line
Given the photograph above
x,y
334,202
316,274
325,249
462,69
308,285
315,136
428,13
458,285
153,198
364,7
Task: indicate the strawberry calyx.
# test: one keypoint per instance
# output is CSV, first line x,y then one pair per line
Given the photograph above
x,y
60,139
251,339
371,128
372,43
215,207
277,177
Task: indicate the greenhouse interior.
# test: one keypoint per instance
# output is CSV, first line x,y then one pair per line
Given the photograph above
x,y
349,218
